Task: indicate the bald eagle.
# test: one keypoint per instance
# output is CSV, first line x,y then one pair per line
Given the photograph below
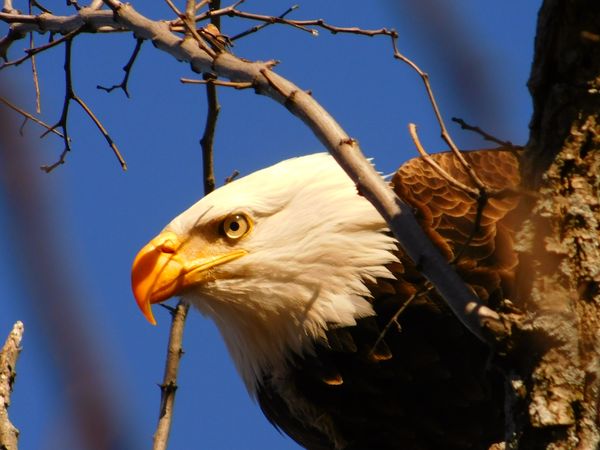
x,y
327,320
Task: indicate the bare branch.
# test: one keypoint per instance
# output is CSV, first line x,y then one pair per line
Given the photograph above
x,y
93,20
189,23
169,384
173,8
412,129
9,435
34,51
202,4
214,82
232,176
444,132
7,41
8,7
30,117
190,10
89,20
208,138
63,121
298,24
102,130
74,3
42,8
423,290
36,83
488,137
127,68
481,197
256,28
96,4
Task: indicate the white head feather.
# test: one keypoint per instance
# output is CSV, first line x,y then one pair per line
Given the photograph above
x,y
314,242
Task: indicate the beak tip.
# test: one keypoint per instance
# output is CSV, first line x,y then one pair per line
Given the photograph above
x,y
149,316
145,308
147,312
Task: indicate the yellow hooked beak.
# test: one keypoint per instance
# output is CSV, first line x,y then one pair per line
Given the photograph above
x,y
161,270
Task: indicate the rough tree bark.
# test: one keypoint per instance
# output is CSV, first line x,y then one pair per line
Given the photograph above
x,y
554,375
9,434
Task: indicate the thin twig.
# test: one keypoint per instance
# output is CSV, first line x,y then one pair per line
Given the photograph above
x,y
232,176
36,83
173,8
215,82
256,28
15,17
123,85
444,132
30,117
9,435
34,51
189,24
87,20
208,137
201,5
8,7
303,25
190,11
488,137
42,8
102,130
481,204
412,129
63,121
423,290
480,196
96,4
169,384
74,3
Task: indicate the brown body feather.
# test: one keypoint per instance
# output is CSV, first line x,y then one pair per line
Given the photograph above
x,y
427,384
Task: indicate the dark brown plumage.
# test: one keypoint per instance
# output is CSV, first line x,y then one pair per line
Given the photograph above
x,y
428,384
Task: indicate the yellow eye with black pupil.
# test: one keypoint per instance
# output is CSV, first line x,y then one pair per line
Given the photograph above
x,y
236,226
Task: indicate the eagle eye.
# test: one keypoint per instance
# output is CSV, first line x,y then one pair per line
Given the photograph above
x,y
236,226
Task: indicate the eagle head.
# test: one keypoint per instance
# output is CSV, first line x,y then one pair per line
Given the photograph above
x,y
274,258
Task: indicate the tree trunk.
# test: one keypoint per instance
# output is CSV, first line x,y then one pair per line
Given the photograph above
x,y
554,368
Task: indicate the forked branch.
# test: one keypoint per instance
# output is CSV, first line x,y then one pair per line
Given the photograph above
x,y
64,117
123,85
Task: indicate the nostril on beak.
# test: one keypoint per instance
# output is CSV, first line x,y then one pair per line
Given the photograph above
x,y
168,246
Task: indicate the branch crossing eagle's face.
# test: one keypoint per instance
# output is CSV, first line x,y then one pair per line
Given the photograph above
x,y
274,258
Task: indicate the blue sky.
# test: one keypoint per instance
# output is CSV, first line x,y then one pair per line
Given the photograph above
x,y
478,55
